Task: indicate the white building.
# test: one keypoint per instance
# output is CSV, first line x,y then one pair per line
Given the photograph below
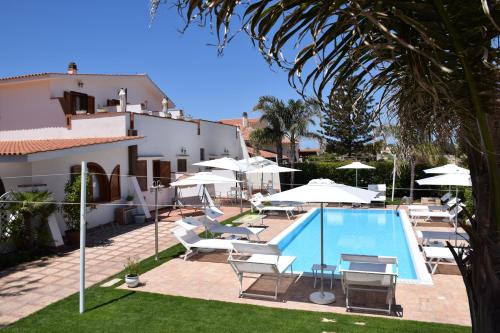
x,y
124,126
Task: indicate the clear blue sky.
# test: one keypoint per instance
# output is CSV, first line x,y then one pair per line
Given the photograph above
x,y
114,36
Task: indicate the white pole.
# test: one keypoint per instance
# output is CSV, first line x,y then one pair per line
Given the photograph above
x,y
393,179
83,199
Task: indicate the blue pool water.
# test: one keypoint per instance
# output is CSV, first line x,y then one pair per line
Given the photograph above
x,y
352,231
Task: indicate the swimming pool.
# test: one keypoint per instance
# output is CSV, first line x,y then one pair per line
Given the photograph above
x,y
353,231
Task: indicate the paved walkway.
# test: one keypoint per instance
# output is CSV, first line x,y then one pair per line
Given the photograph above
x,y
30,287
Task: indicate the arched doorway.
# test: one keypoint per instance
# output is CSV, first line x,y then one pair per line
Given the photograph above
x,y
2,188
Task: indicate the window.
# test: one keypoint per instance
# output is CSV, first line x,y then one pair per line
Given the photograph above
x,y
98,181
2,188
74,101
181,165
141,172
161,172
114,184
202,154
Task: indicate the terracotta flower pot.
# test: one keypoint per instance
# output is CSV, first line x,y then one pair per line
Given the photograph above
x,y
73,237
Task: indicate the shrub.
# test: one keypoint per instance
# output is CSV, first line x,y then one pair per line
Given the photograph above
x,y
71,210
131,268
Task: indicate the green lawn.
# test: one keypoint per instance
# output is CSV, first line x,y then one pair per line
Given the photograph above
x,y
116,310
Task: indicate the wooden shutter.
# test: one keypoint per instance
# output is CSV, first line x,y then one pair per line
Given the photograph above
x,y
90,104
102,180
65,102
132,160
165,173
75,170
181,165
141,171
114,184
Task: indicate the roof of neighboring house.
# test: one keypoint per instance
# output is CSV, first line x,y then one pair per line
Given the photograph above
x,y
263,153
38,146
309,150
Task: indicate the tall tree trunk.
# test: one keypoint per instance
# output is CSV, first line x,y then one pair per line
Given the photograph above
x,y
279,150
481,271
412,178
292,161
482,275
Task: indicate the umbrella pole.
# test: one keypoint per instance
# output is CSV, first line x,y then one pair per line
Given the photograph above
x,y
241,192
322,258
356,177
456,215
322,297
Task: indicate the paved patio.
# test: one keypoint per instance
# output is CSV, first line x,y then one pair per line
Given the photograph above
x,y
208,276
30,287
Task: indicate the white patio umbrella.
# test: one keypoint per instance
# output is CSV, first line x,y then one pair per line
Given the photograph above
x,y
448,168
270,168
356,166
257,160
228,163
449,179
203,178
324,191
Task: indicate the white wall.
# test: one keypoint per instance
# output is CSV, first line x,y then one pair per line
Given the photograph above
x,y
107,159
28,105
165,137
14,170
105,125
104,87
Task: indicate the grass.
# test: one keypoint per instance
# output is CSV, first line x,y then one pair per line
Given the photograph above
x,y
117,310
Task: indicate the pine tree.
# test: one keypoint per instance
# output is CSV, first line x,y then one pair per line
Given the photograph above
x,y
347,120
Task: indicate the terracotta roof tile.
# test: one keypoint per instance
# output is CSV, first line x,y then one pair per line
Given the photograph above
x,y
264,153
37,146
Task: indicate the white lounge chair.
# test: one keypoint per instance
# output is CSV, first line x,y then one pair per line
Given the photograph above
x,y
215,227
369,273
449,204
436,254
425,215
424,237
192,242
261,208
380,197
250,259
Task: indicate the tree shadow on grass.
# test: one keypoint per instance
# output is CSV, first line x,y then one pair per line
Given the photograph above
x,y
111,301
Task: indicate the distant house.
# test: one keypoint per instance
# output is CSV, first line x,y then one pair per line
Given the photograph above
x,y
247,126
124,126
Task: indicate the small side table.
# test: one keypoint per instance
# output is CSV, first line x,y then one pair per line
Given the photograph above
x,y
327,268
251,220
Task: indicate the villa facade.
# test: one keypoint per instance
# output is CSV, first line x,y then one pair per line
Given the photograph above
x,y
124,126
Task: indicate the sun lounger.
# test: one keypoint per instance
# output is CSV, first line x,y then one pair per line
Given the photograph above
x,y
250,259
261,208
217,228
444,207
425,237
192,242
425,215
368,273
381,189
434,255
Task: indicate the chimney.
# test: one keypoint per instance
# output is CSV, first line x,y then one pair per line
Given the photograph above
x,y
72,69
244,120
123,100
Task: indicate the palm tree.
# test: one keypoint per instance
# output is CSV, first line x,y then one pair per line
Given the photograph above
x,y
447,48
298,118
274,113
26,207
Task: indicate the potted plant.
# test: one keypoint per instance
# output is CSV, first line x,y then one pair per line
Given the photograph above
x,y
129,199
132,273
71,211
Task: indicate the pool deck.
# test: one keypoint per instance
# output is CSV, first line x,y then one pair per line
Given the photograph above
x,y
209,276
